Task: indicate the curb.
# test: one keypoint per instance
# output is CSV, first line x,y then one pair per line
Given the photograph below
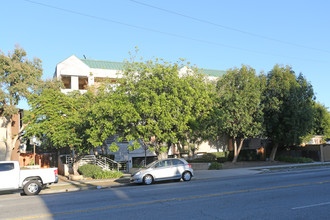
x,y
291,167
52,191
70,186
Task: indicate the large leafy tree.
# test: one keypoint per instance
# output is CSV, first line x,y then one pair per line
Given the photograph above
x,y
288,113
57,119
110,113
19,78
165,101
203,104
321,120
240,110
78,121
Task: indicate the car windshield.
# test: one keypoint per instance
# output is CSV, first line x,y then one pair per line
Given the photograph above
x,y
151,164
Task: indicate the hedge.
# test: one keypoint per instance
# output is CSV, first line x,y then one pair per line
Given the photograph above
x,y
96,172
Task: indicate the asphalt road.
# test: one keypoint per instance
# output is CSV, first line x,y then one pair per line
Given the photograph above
x,y
296,194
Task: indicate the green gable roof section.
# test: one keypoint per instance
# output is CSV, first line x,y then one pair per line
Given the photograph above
x,y
99,64
210,72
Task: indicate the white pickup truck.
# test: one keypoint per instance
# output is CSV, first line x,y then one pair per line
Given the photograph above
x,y
30,180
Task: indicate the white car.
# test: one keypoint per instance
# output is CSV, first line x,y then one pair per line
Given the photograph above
x,y
167,169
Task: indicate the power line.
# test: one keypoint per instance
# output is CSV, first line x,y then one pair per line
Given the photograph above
x,y
162,32
228,28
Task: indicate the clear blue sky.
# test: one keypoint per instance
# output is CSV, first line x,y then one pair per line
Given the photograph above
x,y
212,34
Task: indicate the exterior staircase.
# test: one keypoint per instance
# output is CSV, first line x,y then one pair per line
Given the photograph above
x,y
103,162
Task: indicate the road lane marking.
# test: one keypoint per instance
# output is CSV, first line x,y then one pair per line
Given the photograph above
x,y
310,206
172,200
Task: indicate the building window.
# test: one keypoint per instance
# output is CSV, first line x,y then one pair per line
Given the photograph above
x,y
83,82
66,81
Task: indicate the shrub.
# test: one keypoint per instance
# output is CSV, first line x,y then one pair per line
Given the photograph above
x,y
215,166
294,159
209,157
205,158
245,155
96,172
107,175
222,159
219,157
88,170
220,154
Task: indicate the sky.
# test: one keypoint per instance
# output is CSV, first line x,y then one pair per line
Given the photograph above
x,y
211,34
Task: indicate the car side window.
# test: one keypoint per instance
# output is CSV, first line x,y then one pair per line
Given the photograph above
x,y
167,163
160,164
163,163
177,162
6,166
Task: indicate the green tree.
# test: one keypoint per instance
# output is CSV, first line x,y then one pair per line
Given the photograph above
x,y
79,121
288,112
54,116
57,121
203,105
321,120
165,100
111,113
240,110
19,78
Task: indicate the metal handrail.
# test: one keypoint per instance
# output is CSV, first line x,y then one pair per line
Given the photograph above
x,y
103,162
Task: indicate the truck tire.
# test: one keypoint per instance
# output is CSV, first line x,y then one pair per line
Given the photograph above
x,y
33,187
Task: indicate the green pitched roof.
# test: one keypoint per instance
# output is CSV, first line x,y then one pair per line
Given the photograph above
x,y
99,64
210,72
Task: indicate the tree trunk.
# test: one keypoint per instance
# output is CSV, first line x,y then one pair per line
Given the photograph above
x,y
75,167
9,140
237,150
75,161
180,148
273,153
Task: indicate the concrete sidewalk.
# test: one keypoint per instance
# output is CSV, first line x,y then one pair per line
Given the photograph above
x,y
65,185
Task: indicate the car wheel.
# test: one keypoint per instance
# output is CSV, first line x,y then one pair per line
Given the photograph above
x,y
186,176
147,180
33,187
